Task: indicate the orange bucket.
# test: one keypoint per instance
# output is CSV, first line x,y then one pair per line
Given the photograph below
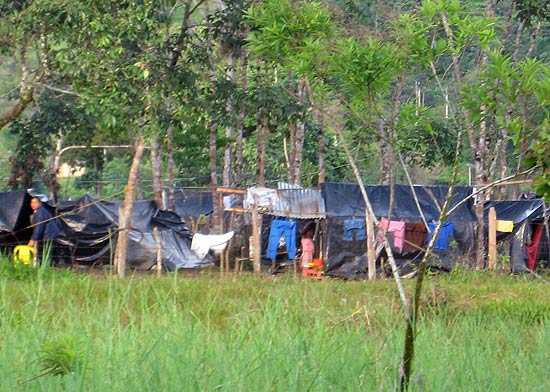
x,y
317,263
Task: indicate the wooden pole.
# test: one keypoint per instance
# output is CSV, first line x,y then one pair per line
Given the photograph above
x,y
223,260
256,245
371,251
492,239
159,251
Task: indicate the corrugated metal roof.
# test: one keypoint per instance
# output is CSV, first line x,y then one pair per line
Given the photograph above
x,y
297,203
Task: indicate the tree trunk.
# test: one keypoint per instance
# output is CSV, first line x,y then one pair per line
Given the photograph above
x,y
240,124
299,140
477,150
292,129
26,91
322,147
171,169
155,165
261,134
213,158
125,211
229,130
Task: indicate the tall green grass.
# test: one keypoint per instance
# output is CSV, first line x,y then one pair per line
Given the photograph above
x,y
204,332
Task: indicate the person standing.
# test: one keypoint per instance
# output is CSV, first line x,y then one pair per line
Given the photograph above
x,y
44,231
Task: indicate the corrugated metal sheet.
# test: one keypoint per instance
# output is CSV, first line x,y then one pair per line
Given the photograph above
x,y
297,203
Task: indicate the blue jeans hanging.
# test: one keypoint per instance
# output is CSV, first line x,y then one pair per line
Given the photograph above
x,y
286,229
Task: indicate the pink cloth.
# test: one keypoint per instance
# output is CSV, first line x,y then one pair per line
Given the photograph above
x,y
397,228
308,247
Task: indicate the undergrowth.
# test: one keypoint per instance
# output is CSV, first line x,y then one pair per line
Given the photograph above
x,y
202,331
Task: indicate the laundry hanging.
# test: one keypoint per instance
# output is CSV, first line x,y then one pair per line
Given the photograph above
x,y
354,229
287,230
397,228
446,232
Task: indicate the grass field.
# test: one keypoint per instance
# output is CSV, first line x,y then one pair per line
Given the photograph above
x,y
205,332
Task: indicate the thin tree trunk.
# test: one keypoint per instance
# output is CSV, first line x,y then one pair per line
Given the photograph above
x,y
533,40
261,134
517,46
292,130
213,148
385,155
300,136
213,158
54,167
480,170
26,91
125,211
155,165
239,139
322,147
508,24
171,167
229,130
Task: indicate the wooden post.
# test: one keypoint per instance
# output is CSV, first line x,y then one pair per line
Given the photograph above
x,y
256,245
492,239
159,250
371,250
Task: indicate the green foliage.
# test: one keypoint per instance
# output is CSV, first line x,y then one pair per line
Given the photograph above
x,y
117,334
529,11
423,139
63,356
289,32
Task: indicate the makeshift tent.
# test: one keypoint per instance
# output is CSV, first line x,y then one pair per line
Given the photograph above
x,y
287,211
525,237
89,233
15,212
193,206
345,239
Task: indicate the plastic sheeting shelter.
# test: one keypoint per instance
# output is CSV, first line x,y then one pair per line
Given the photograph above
x,y
528,241
347,257
192,204
89,230
15,212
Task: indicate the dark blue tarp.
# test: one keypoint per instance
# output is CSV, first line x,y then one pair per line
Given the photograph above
x,y
345,201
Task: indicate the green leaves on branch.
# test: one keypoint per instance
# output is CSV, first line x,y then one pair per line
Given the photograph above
x,y
291,33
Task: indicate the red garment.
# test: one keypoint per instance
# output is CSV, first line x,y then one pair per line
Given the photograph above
x,y
415,236
533,248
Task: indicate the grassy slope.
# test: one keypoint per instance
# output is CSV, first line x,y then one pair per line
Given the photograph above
x,y
206,332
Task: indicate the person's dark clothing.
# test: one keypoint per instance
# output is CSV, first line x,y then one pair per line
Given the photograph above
x,y
44,231
45,227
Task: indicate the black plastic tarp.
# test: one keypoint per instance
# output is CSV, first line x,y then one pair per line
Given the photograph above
x,y
190,204
516,210
89,230
15,212
344,201
523,213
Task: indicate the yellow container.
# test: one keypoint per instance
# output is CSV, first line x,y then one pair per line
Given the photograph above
x,y
23,254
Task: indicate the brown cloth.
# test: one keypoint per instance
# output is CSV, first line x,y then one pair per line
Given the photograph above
x,y
415,233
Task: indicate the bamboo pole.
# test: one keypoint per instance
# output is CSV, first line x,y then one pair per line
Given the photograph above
x,y
256,237
371,251
492,239
159,250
